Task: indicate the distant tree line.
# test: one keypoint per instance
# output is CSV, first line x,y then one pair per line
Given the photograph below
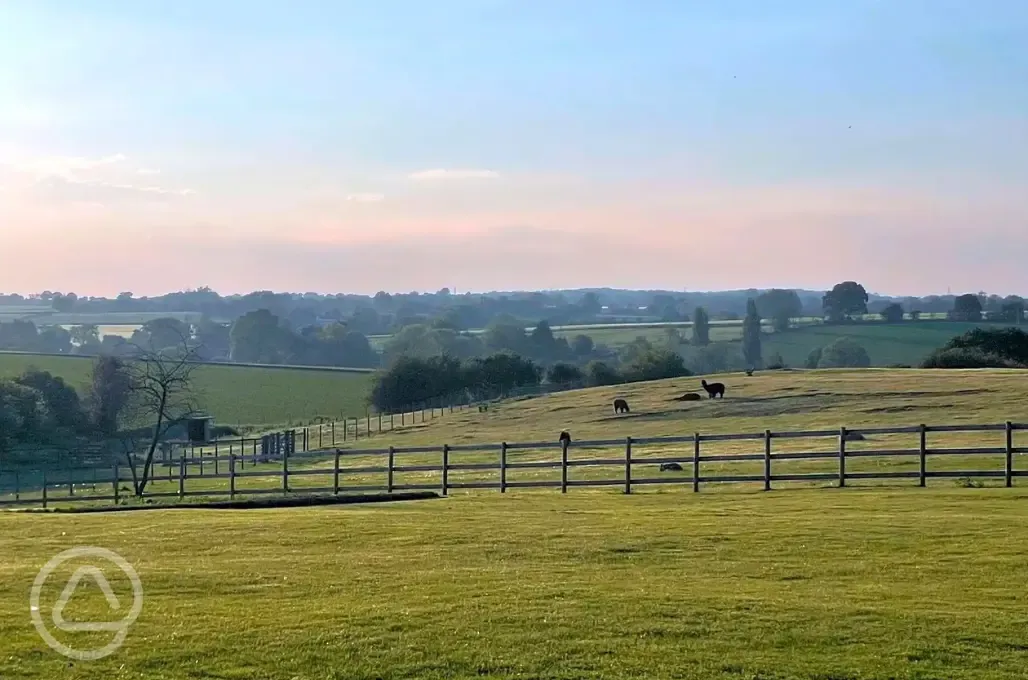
x,y
412,380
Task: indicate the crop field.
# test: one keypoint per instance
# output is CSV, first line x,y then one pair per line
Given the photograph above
x,y
864,582
905,343
244,396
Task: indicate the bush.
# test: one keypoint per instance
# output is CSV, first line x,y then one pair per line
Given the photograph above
x,y
1008,343
656,364
844,353
963,357
598,373
564,374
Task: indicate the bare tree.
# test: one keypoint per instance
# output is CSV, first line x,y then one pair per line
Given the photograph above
x,y
161,388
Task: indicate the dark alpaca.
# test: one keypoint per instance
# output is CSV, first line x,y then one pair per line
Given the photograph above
x,y
714,389
564,437
620,406
688,396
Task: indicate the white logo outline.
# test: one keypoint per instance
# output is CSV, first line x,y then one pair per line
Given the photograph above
x,y
120,628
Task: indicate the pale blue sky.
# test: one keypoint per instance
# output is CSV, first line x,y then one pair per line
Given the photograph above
x,y
740,131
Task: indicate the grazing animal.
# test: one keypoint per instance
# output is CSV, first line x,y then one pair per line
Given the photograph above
x,y
667,467
564,437
714,389
688,396
620,406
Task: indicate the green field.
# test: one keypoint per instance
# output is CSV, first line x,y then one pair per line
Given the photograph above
x,y
905,343
244,396
814,584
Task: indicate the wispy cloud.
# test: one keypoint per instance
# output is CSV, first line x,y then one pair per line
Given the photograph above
x,y
443,174
112,174
365,198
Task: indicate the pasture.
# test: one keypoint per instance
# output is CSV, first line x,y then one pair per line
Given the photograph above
x,y
906,343
248,397
871,581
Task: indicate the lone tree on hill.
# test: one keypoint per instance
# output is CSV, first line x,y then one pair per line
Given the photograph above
x,y
751,350
700,327
844,300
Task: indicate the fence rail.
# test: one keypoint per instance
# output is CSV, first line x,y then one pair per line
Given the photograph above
x,y
339,470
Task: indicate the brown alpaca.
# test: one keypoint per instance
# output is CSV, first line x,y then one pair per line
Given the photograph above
x,y
714,389
620,406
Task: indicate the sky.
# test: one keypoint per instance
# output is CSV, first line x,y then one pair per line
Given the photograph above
x,y
355,146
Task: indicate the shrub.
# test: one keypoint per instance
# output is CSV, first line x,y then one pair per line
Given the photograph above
x,y
598,373
1008,343
844,353
656,364
963,357
564,374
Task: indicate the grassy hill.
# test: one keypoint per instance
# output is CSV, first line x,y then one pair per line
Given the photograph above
x,y
820,583
238,395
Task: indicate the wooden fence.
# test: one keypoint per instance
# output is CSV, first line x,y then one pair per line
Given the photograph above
x,y
370,470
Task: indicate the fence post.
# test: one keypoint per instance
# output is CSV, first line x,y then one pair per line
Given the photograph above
x,y
44,488
356,429
182,475
231,476
321,435
17,485
285,473
389,469
446,467
117,485
503,467
842,457
391,426
380,422
628,465
922,454
335,474
332,431
367,415
201,462
564,466
217,455
696,462
767,460
1009,468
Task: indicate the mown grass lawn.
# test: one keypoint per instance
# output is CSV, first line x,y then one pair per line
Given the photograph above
x,y
812,584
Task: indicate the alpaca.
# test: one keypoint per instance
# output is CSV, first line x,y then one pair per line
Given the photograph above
x,y
620,406
688,396
714,389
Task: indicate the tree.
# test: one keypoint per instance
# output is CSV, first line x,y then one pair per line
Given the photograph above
x,y
161,388
412,380
781,306
582,345
700,327
54,340
967,307
844,353
161,333
892,313
564,374
86,337
655,364
590,304
1008,343
506,333
61,399
751,350
599,373
214,337
1013,310
258,337
110,389
844,300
